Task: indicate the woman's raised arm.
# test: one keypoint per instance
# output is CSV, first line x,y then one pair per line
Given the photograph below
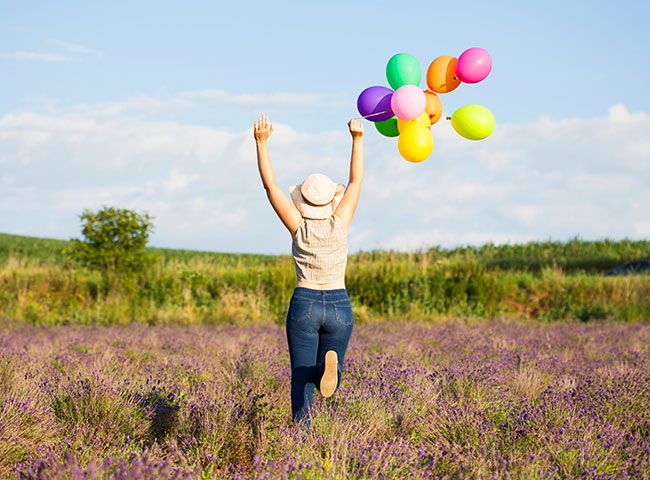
x,y
348,205
286,210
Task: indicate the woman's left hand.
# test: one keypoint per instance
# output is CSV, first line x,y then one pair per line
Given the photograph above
x,y
356,128
262,129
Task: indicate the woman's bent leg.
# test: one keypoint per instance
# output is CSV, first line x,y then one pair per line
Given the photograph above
x,y
335,334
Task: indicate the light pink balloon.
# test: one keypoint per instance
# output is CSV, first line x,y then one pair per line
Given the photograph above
x,y
474,64
408,102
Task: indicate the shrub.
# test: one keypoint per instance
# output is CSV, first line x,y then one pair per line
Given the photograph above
x,y
114,243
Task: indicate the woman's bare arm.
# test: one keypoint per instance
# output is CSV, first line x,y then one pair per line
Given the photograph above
x,y
348,205
286,210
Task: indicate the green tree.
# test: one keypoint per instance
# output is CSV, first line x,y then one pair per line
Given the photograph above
x,y
114,243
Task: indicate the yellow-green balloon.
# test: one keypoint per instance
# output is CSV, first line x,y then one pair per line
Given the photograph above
x,y
474,122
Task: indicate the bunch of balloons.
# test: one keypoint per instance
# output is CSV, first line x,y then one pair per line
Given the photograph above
x,y
407,111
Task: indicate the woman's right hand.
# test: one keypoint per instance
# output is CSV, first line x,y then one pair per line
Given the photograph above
x,y
356,128
262,129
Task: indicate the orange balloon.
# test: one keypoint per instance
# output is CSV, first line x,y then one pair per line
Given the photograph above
x,y
434,106
422,119
441,75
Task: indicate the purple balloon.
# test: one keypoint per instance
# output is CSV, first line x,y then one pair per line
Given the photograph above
x,y
374,104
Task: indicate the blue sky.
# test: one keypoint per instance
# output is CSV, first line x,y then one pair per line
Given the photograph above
x,y
148,105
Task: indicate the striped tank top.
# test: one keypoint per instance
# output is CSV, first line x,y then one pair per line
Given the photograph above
x,y
320,251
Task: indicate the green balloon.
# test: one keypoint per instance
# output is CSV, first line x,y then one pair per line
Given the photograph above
x,y
403,69
388,128
474,122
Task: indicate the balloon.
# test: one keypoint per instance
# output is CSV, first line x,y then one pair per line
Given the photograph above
x,y
374,103
474,64
403,69
415,143
422,120
474,122
408,102
434,106
441,75
388,128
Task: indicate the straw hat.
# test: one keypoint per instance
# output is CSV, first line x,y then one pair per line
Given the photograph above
x,y
314,196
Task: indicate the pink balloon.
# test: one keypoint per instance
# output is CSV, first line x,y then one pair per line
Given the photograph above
x,y
408,102
474,64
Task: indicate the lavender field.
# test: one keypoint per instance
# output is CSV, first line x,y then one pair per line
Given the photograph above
x,y
490,399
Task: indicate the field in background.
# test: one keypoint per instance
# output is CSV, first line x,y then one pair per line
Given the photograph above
x,y
543,280
491,399
433,385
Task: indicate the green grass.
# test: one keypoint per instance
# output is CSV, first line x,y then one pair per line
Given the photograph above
x,y
48,250
573,256
543,280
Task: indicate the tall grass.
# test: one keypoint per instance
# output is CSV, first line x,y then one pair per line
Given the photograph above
x,y
572,256
560,280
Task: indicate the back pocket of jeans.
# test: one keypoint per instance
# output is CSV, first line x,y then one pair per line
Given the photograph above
x,y
300,310
343,311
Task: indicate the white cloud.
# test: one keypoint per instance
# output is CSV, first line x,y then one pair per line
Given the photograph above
x,y
527,213
177,181
74,199
272,98
67,52
425,239
6,180
172,105
75,48
642,229
24,55
548,178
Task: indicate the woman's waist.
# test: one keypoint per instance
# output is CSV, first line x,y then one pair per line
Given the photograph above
x,y
334,285
320,276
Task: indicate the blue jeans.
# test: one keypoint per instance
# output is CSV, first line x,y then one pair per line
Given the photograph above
x,y
317,321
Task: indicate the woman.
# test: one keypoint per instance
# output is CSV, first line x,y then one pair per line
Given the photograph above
x,y
319,321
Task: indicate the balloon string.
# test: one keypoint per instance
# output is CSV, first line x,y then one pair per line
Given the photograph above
x,y
379,113
372,115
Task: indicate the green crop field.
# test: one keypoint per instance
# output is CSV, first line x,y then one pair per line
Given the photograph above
x,y
538,280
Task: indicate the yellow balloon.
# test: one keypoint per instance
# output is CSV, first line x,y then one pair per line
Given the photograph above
x,y
422,119
415,142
